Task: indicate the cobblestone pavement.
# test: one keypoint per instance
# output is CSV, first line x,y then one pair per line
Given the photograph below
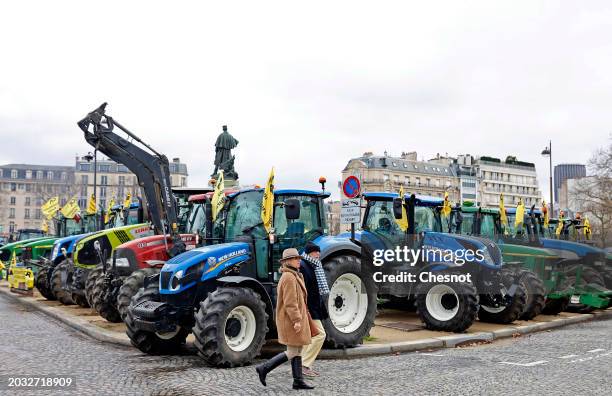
x,y
573,360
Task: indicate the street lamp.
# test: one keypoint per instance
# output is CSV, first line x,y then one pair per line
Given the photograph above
x,y
548,152
94,157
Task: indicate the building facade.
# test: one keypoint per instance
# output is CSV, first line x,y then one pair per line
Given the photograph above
x,y
515,179
563,172
24,188
387,173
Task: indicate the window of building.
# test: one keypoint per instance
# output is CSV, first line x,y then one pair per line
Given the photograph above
x,y
104,180
49,175
82,203
13,186
122,168
38,214
49,188
28,187
14,174
84,179
11,227
183,182
39,175
11,213
386,177
428,180
84,167
396,179
104,168
28,174
13,200
407,180
405,165
418,181
103,191
64,176
121,180
437,182
21,186
27,201
26,214
103,203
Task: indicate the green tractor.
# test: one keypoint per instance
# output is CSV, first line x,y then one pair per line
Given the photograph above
x,y
19,240
547,288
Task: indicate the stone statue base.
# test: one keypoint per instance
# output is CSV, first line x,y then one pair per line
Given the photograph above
x,y
230,183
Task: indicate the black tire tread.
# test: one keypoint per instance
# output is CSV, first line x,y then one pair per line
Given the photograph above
x,y
130,287
101,305
56,284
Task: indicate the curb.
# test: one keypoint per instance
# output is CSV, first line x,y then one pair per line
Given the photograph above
x,y
450,341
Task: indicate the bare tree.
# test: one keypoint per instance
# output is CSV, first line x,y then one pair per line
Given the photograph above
x,y
594,193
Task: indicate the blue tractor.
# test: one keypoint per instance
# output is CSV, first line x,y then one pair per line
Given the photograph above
x,y
225,293
491,293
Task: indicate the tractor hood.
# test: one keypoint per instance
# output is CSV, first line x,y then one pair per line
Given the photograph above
x,y
185,270
332,244
149,251
490,254
7,250
66,243
570,250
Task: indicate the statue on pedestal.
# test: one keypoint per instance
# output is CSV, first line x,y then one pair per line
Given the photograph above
x,y
224,160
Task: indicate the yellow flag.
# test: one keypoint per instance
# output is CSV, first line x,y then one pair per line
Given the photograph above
x,y
587,228
50,207
546,216
502,211
14,259
45,226
91,206
71,209
218,198
446,207
520,214
560,224
403,222
267,204
109,208
128,201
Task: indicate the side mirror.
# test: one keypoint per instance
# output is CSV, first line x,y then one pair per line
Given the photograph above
x,y
397,208
292,209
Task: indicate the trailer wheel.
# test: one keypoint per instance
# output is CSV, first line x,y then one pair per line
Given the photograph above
x,y
536,294
230,327
59,276
512,310
91,282
130,287
43,285
351,303
101,302
148,342
447,306
589,275
555,306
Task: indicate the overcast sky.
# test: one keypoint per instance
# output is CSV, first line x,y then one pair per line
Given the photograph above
x,y
306,87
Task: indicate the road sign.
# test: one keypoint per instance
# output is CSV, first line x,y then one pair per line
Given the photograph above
x,y
351,187
350,211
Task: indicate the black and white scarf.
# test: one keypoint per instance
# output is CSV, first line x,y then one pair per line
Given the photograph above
x,y
319,273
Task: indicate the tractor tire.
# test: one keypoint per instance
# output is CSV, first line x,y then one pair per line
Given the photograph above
x,y
130,287
91,282
512,311
42,283
101,304
80,300
61,270
536,294
351,303
238,311
607,275
447,306
148,342
589,275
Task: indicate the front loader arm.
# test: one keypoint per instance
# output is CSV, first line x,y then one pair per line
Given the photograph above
x,y
150,167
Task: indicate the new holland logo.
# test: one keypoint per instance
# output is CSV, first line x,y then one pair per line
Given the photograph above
x,y
211,261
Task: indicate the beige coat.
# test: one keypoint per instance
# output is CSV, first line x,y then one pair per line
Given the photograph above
x,y
291,308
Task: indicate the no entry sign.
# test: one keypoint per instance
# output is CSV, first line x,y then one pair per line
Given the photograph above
x,y
351,187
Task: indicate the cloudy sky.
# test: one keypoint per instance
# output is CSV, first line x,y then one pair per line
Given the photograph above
x,y
307,86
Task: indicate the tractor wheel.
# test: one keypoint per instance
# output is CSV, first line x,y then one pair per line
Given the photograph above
x,y
91,282
447,306
42,284
130,287
589,275
607,274
60,272
101,303
148,342
351,303
536,294
80,300
505,313
230,327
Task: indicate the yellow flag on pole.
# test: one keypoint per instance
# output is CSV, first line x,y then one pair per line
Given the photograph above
x,y
587,228
218,198
559,225
403,222
14,259
109,208
546,215
44,226
502,211
446,207
50,207
128,201
520,214
91,206
267,203
71,209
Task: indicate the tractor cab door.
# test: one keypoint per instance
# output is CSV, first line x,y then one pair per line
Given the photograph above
x,y
295,232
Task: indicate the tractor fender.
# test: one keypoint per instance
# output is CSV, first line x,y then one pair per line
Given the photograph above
x,y
255,285
331,246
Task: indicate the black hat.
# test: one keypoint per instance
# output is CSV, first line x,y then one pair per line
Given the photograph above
x,y
311,247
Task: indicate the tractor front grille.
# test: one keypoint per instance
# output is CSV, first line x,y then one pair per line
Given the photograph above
x,y
164,279
122,236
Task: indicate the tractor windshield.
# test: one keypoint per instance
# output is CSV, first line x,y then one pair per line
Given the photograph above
x,y
380,219
197,220
29,234
244,214
426,218
487,225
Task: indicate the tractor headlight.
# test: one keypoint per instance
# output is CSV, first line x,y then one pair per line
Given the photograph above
x,y
175,283
486,257
122,262
55,251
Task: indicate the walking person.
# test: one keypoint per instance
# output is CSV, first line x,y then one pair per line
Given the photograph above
x,y
292,320
318,292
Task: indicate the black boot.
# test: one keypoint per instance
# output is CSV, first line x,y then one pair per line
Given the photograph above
x,y
264,368
298,378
